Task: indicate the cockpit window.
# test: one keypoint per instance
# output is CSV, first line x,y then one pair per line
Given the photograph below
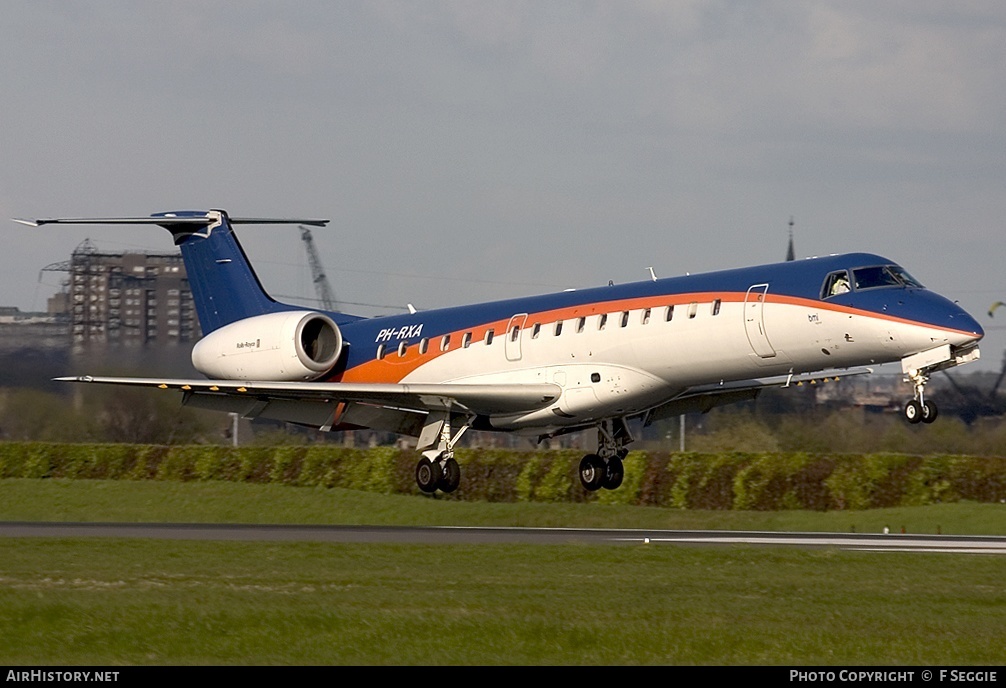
x,y
871,278
834,284
902,276
883,276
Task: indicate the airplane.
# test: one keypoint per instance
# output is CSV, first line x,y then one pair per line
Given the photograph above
x,y
596,358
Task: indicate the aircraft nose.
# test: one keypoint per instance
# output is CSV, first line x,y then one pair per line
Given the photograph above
x,y
969,328
972,326
960,328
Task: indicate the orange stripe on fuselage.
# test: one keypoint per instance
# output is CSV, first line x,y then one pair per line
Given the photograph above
x,y
394,368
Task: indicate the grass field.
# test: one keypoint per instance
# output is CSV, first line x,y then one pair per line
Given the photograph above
x,y
120,601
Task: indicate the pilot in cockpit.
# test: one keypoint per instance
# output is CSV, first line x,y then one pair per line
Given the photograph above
x,y
840,286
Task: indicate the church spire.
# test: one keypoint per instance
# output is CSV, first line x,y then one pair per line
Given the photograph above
x,y
790,253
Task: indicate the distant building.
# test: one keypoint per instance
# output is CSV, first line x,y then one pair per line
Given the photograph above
x,y
131,299
38,331
117,311
878,393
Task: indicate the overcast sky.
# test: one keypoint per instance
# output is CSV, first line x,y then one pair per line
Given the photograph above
x,y
468,151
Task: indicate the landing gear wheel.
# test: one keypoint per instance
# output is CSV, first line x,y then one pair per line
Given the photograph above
x,y
613,474
913,411
428,475
929,412
592,472
451,477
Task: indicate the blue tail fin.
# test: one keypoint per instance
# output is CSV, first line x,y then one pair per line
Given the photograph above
x,y
224,285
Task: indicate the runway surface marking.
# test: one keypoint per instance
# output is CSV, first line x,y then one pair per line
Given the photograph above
x,y
441,535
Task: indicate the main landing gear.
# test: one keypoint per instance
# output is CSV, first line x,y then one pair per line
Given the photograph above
x,y
438,469
605,468
439,473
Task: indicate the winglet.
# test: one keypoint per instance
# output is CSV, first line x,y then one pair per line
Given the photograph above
x,y
30,223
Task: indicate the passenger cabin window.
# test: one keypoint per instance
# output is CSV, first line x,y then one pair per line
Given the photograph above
x,y
558,327
834,284
625,318
580,324
466,340
602,320
693,308
716,307
535,331
514,333
424,344
402,348
445,342
670,314
645,318
489,336
380,351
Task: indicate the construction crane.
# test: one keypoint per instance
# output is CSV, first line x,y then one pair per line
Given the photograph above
x,y
84,248
321,287
973,403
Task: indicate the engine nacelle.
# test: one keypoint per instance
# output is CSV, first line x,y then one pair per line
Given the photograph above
x,y
288,346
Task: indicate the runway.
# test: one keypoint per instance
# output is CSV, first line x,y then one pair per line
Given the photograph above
x,y
456,535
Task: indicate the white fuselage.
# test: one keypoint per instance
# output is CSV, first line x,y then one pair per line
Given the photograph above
x,y
639,358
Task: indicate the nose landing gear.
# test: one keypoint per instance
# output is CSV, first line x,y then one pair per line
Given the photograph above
x,y
920,409
917,368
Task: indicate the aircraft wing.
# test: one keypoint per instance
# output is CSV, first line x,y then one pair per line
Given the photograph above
x,y
705,397
402,408
394,407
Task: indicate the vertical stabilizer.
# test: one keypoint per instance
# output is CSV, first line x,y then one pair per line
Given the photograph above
x,y
224,286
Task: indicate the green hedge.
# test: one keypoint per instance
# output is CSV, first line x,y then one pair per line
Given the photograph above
x,y
749,481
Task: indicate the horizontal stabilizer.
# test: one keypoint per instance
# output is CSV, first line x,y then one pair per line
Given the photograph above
x,y
169,218
224,285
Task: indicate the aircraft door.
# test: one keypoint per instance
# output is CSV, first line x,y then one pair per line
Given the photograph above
x,y
513,336
754,320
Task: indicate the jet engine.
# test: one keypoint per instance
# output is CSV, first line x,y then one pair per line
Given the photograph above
x,y
287,346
